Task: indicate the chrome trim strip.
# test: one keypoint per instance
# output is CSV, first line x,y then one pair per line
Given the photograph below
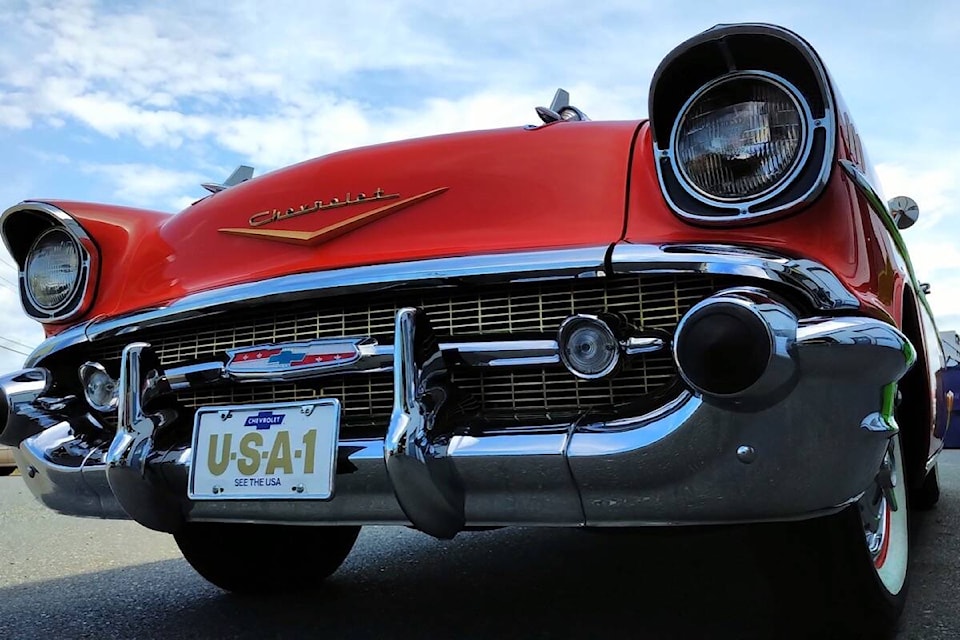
x,y
504,353
822,288
872,196
819,284
636,345
527,266
194,375
89,260
379,358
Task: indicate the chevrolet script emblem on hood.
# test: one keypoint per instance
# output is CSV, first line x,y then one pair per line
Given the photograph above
x,y
329,232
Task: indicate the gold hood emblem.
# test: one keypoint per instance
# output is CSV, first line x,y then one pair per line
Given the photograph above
x,y
309,238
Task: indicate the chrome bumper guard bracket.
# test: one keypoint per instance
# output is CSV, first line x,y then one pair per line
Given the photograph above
x,y
127,470
415,449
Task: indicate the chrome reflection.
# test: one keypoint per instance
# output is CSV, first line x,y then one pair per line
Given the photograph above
x,y
777,336
415,448
820,286
133,446
20,417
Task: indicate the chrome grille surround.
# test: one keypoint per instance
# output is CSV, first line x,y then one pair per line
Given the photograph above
x,y
485,310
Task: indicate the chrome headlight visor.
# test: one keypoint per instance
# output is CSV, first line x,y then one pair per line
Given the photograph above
x,y
59,262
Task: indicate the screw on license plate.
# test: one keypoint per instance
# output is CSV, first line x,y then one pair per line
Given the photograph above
x,y
217,490
298,488
306,409
224,415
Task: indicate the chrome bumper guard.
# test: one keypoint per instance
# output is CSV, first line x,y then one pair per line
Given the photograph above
x,y
697,460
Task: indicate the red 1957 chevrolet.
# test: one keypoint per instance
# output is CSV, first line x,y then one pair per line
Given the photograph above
x,y
707,317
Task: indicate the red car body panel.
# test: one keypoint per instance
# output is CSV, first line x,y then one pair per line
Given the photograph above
x,y
507,190
838,230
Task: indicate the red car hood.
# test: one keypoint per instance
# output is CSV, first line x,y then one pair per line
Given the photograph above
x,y
483,192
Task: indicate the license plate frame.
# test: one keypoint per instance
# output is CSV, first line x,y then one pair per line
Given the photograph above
x,y
322,416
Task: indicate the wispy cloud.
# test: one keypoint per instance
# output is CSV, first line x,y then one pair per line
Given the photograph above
x,y
146,185
149,99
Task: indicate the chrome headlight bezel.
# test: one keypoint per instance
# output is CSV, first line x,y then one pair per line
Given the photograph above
x,y
26,224
806,121
29,287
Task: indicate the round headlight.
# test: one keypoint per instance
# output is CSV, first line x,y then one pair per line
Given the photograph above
x,y
52,271
740,137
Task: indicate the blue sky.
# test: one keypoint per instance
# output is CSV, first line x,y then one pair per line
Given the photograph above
x,y
138,102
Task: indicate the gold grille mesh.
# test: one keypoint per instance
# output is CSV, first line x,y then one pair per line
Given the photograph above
x,y
519,308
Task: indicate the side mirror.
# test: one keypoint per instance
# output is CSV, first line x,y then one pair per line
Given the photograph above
x,y
904,211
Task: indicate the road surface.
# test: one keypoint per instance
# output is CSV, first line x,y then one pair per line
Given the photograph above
x,y
64,577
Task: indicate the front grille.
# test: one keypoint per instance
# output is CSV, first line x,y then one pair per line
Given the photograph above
x,y
518,308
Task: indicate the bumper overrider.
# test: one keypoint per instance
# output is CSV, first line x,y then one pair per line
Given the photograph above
x,y
779,417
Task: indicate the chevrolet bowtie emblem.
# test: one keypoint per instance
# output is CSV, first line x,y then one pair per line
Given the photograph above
x,y
308,238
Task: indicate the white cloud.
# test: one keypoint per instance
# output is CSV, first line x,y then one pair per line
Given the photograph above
x,y
163,96
146,185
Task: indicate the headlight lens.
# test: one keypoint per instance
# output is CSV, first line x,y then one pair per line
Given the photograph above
x,y
740,138
52,270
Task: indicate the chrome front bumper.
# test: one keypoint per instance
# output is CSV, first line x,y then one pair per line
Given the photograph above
x,y
813,448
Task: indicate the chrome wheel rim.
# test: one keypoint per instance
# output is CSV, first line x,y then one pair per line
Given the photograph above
x,y
883,512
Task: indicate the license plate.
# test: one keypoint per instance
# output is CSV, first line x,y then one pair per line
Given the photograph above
x,y
275,451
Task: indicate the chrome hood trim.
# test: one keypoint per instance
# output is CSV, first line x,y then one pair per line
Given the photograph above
x,y
817,283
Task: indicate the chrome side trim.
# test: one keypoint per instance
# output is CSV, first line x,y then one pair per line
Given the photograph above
x,y
821,287
872,196
89,262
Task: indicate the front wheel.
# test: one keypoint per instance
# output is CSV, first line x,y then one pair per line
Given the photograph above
x,y
852,566
262,558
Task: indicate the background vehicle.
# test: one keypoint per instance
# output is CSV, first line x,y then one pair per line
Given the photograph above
x,y
7,463
705,318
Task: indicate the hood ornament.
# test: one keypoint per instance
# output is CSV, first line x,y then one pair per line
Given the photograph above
x,y
240,174
561,109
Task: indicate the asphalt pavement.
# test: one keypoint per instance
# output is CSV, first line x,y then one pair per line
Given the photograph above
x,y
64,577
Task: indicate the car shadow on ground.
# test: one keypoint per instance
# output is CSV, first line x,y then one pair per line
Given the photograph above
x,y
517,583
